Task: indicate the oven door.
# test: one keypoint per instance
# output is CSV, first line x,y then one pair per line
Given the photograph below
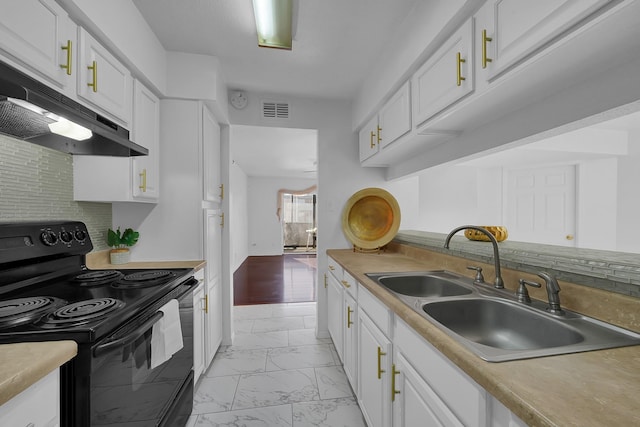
x,y
126,391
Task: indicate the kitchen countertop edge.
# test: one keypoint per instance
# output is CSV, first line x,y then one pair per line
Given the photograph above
x,y
99,260
24,364
536,389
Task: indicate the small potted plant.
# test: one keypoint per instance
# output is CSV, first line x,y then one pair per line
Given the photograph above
x,y
121,242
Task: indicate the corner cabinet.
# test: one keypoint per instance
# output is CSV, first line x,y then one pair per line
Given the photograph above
x,y
125,179
37,406
213,191
50,51
213,291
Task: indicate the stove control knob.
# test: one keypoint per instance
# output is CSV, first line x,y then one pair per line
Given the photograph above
x,y
81,235
49,238
66,237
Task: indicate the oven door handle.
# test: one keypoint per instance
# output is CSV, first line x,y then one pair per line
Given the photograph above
x,y
137,333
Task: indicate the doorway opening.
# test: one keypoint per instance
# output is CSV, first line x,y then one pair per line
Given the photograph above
x,y
299,223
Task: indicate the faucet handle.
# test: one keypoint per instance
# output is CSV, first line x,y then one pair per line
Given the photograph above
x,y
479,277
522,293
552,291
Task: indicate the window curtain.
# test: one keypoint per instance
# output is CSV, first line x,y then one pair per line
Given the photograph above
x,y
295,193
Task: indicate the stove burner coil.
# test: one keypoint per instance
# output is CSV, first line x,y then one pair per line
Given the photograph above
x,y
98,277
82,312
25,310
144,279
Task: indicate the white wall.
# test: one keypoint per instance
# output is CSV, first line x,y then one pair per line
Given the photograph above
x,y
265,229
628,197
238,221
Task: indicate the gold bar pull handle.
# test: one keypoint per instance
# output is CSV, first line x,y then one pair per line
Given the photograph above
x,y
349,322
393,382
221,186
379,135
460,60
325,280
485,40
332,268
206,304
345,283
94,68
143,179
371,143
380,370
67,66
222,219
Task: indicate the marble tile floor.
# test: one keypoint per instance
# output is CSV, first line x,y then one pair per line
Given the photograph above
x,y
277,373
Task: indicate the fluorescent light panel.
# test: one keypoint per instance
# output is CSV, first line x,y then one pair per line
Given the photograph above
x,y
274,23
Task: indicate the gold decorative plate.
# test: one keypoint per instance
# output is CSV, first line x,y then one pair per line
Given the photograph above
x,y
371,218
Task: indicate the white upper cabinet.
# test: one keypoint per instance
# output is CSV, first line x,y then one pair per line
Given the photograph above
x,y
513,29
48,47
212,189
368,139
146,132
103,81
446,77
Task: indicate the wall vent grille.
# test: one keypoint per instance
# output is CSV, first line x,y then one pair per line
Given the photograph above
x,y
275,110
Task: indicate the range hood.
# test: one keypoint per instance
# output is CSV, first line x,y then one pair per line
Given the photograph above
x,y
36,113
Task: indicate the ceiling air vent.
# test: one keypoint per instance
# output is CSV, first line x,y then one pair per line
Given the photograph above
x,y
275,110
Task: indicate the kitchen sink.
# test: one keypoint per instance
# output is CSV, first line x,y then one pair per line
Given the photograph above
x,y
499,330
423,284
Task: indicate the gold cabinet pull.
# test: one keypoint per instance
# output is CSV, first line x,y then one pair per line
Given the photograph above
x,y
143,179
460,61
331,267
325,280
206,304
222,219
485,40
371,143
349,322
221,186
94,68
380,370
67,66
379,137
393,382
345,283
569,237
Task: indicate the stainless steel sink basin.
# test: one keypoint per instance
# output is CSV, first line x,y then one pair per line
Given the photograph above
x,y
499,330
423,284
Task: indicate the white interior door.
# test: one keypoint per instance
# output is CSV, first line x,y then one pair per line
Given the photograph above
x,y
540,205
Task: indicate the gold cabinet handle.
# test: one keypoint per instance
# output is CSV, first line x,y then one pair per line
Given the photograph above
x,y
485,40
380,370
221,186
331,267
379,137
345,283
67,66
143,179
206,304
460,61
349,322
371,143
393,382
94,68
569,237
325,280
222,219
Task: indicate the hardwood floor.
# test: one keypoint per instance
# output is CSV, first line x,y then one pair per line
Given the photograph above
x,y
275,279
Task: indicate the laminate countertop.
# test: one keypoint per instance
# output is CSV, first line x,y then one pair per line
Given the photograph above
x,y
23,364
100,261
596,388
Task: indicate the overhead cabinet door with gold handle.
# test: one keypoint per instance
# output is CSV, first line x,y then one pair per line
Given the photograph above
x,y
446,77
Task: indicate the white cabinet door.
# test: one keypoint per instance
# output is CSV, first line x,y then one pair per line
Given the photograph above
x,y
198,330
212,253
334,313
212,187
350,340
374,373
37,406
414,402
146,132
40,34
394,119
103,81
368,139
446,77
518,27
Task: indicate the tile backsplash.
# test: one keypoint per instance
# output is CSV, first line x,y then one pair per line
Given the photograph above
x,y
36,183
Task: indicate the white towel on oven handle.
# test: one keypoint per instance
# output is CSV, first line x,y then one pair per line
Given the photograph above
x,y
166,334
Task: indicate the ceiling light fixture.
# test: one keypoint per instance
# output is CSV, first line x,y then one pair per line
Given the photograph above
x,y
274,20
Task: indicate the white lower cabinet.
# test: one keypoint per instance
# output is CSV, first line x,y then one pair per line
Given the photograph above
x,y
374,372
334,310
199,319
37,406
350,333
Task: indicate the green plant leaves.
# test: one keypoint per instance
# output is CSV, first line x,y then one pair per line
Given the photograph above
x,y
126,238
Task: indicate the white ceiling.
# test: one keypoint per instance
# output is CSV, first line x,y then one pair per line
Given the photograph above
x,y
335,43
